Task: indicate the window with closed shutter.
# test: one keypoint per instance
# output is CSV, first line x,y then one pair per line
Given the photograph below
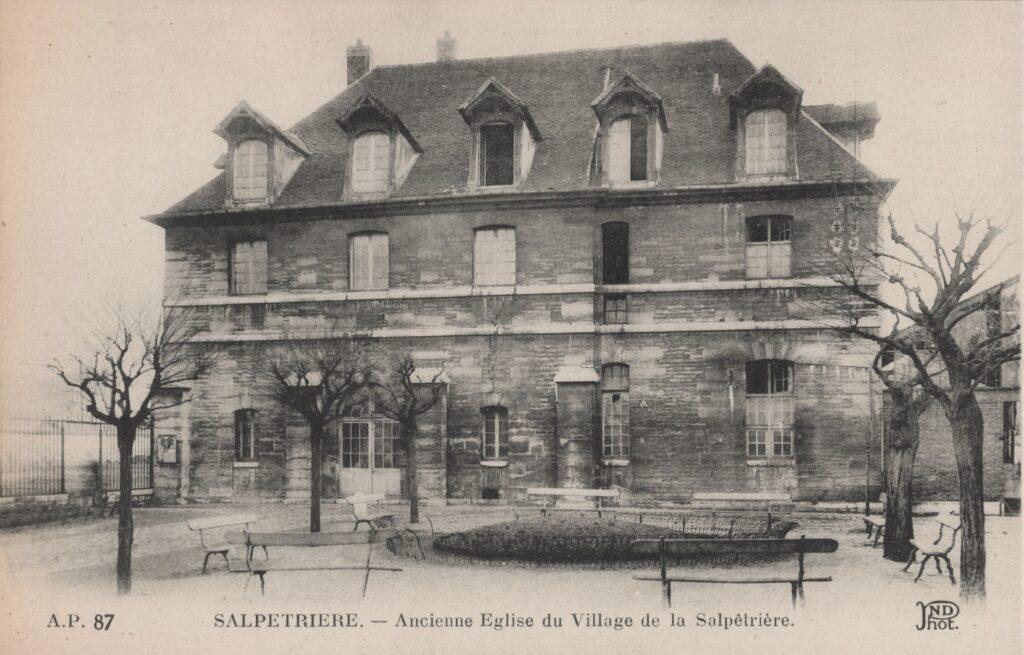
x,y
248,268
494,257
368,262
370,163
765,142
249,171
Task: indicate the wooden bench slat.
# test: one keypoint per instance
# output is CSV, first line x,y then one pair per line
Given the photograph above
x,y
300,539
735,581
221,521
736,546
262,567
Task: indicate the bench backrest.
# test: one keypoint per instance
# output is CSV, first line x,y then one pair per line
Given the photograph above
x,y
311,539
361,503
221,521
732,546
583,493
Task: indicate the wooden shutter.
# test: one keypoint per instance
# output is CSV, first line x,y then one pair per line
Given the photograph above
x,y
359,263
379,261
619,150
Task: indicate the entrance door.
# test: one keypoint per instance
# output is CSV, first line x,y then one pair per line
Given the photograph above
x,y
369,458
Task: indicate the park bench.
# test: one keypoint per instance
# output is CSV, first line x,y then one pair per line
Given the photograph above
x,y
208,529
935,551
260,568
367,509
689,547
874,524
577,498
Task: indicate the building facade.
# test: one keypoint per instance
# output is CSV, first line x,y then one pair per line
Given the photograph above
x,y
619,259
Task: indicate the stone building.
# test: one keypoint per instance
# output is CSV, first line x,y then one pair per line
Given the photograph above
x,y
615,256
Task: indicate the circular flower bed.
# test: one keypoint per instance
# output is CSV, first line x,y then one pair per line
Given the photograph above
x,y
580,539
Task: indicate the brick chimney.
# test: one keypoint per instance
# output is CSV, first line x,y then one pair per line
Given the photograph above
x,y
447,48
359,60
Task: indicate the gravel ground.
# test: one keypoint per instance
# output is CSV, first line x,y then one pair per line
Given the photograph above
x,y
53,569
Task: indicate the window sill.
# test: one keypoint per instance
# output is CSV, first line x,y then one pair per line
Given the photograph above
x,y
494,463
617,461
246,465
779,461
632,184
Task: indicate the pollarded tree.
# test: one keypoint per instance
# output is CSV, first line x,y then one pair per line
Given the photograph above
x,y
401,397
319,379
131,368
932,312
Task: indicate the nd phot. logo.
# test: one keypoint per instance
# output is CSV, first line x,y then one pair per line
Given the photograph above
x,y
938,615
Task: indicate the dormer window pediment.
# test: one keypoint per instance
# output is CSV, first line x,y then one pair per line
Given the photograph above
x,y
261,157
381,149
505,137
764,112
630,139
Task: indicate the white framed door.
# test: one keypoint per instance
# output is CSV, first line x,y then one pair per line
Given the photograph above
x,y
370,458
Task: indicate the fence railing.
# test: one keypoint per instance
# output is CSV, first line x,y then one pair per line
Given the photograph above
x,y
40,456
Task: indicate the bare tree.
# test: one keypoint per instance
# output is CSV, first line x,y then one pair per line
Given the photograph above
x,y
399,396
127,376
319,379
948,367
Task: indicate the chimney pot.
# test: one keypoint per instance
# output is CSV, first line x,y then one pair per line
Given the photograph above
x,y
360,60
447,47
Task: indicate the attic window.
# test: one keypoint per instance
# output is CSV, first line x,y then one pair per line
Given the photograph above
x,y
766,142
496,154
370,163
250,171
627,145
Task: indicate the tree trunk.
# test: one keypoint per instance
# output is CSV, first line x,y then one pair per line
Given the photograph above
x,y
409,431
316,444
125,524
902,439
967,425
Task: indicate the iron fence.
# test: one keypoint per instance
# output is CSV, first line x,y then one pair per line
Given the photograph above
x,y
40,456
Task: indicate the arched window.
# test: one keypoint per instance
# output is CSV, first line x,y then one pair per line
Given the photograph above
x,y
769,408
615,411
495,432
250,171
497,154
766,142
627,149
370,162
769,247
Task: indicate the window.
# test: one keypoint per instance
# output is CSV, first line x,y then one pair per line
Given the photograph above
x,y
615,252
766,142
250,171
369,441
495,433
1011,430
496,154
770,409
245,435
370,163
494,256
368,262
768,247
615,411
627,149
248,267
616,309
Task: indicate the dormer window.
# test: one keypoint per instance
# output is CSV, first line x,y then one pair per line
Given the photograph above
x,y
497,150
504,137
250,171
627,150
766,142
764,111
382,151
370,162
261,157
632,128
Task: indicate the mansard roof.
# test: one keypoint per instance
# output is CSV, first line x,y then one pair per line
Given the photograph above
x,y
558,88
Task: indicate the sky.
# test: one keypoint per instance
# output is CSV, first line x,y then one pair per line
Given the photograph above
x,y
107,111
